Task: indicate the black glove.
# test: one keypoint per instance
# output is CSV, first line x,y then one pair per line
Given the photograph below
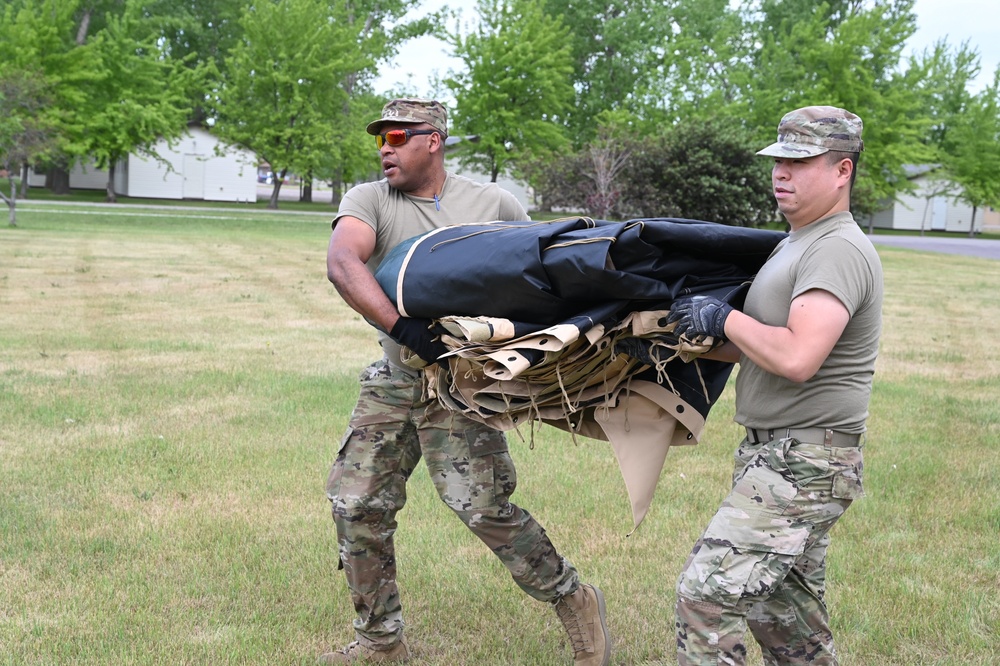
x,y
415,333
699,315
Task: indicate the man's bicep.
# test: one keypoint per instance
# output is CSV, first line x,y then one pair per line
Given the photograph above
x,y
819,317
353,236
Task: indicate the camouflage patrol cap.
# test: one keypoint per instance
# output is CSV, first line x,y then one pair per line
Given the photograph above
x,y
412,110
814,130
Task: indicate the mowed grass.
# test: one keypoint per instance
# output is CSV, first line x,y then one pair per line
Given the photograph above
x,y
173,389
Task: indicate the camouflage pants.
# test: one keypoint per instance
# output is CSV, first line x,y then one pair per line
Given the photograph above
x,y
391,428
761,560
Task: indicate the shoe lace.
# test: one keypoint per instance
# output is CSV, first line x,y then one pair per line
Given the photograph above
x,y
573,621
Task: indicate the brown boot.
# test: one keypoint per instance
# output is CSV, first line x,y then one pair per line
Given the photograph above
x,y
582,613
356,653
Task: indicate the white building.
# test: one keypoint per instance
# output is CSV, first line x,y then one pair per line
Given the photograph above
x,y
198,167
933,206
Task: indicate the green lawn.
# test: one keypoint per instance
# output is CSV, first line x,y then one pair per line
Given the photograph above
x,y
173,385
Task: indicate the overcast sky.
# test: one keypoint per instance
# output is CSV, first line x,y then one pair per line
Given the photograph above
x,y
957,20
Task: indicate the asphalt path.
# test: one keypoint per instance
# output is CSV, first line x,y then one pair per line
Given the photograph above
x,y
969,247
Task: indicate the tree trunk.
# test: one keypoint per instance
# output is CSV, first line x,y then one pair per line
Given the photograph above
x,y
81,33
11,203
306,191
972,223
279,178
24,180
337,186
57,179
111,198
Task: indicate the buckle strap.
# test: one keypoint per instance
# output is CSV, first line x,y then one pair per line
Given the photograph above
x,y
824,436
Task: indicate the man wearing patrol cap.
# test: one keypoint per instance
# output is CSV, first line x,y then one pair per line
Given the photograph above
x,y
395,424
806,342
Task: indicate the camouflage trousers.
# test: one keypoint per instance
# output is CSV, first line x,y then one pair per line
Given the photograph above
x,y
761,560
392,427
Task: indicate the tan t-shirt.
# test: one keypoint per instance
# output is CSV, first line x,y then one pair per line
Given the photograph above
x,y
832,254
395,217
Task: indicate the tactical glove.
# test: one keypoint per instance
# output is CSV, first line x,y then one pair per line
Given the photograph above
x,y
415,333
699,315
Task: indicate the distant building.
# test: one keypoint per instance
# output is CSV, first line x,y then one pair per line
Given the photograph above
x,y
933,206
197,167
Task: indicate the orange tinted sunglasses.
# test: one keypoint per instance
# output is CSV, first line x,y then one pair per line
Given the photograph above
x,y
398,137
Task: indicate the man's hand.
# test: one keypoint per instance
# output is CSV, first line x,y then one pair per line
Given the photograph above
x,y
699,315
415,333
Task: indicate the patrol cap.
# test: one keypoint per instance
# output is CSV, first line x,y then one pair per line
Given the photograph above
x,y
412,110
814,130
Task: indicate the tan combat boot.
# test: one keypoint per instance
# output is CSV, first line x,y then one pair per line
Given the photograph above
x,y
356,653
582,613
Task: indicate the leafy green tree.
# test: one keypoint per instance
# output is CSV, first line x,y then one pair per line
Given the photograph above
x,y
972,151
296,88
699,169
843,53
40,37
283,98
617,53
516,90
704,59
941,76
139,97
25,133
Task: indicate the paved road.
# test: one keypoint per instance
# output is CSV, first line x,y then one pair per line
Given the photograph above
x,y
969,247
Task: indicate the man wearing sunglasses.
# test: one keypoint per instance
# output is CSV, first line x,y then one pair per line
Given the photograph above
x,y
394,424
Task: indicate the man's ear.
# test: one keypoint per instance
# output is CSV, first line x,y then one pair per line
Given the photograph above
x,y
436,142
845,169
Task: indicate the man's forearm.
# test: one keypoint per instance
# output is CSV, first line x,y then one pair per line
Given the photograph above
x,y
359,289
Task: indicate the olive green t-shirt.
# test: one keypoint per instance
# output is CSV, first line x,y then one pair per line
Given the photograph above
x,y
832,254
395,217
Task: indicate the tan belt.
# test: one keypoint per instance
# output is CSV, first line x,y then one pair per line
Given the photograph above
x,y
823,436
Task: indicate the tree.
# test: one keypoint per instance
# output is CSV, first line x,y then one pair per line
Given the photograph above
x,y
39,37
25,133
283,98
972,151
139,97
704,59
516,89
609,153
843,53
699,169
617,49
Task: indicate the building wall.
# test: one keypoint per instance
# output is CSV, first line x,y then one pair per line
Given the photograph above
x,y
83,176
925,210
196,171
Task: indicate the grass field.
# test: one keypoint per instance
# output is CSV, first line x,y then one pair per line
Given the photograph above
x,y
173,385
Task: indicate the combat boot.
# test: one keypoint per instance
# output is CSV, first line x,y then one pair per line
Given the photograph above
x,y
582,613
356,653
